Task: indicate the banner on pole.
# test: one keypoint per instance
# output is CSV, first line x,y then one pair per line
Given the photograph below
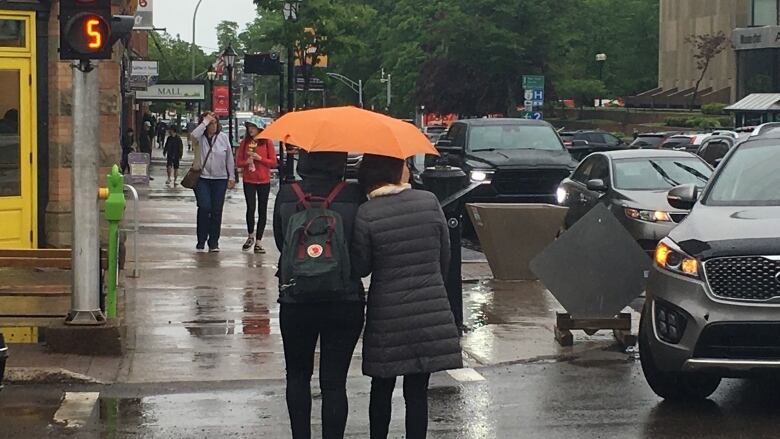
x,y
220,100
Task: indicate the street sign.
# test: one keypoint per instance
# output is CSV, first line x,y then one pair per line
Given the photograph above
x,y
529,95
538,94
144,15
533,81
538,104
529,105
143,68
537,115
192,91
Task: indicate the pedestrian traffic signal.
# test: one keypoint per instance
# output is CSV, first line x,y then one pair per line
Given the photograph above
x,y
88,30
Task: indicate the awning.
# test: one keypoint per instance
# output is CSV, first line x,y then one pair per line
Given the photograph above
x,y
757,102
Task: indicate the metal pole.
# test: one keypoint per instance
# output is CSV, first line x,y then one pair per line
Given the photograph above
x,y
192,48
211,95
389,91
136,229
230,103
85,296
290,79
360,92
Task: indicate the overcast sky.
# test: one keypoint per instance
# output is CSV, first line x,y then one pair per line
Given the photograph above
x,y
176,16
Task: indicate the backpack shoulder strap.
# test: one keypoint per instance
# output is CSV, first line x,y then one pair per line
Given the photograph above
x,y
300,195
334,193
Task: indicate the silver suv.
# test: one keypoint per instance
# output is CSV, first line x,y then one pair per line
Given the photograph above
x,y
713,298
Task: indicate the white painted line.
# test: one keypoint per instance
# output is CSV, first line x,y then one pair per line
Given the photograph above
x,y
467,375
77,409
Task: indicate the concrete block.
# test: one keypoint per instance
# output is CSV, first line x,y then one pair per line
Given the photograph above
x,y
513,234
105,340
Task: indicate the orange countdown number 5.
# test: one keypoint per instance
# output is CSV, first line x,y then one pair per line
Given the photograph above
x,y
93,32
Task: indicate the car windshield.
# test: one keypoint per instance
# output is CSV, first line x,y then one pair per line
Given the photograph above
x,y
748,178
506,136
649,174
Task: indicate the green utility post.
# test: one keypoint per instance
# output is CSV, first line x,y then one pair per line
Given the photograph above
x,y
115,209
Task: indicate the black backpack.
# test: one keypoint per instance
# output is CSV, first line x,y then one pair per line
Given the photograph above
x,y
315,263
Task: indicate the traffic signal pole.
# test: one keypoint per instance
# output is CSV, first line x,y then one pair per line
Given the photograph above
x,y
85,297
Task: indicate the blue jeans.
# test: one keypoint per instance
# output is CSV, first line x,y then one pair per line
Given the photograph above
x,y
211,199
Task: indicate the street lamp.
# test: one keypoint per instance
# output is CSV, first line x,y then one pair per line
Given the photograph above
x,y
192,48
290,10
211,75
229,56
601,59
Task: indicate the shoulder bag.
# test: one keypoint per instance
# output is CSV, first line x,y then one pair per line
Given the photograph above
x,y
193,175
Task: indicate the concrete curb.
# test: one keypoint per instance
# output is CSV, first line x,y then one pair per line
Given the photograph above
x,y
46,375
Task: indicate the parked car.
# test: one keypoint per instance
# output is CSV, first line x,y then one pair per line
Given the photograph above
x,y
651,140
715,148
712,296
584,142
517,160
434,132
633,185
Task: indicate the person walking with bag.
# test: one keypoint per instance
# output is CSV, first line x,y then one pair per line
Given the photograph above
x,y
319,295
216,175
401,239
256,157
173,151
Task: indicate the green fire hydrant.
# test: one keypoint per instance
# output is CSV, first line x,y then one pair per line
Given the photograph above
x,y
114,211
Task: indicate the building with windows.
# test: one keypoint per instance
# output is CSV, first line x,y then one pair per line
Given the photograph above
x,y
750,64
36,121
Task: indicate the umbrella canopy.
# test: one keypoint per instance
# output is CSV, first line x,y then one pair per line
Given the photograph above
x,y
349,129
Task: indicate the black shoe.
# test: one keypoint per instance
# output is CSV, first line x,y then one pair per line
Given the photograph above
x,y
200,248
259,249
248,244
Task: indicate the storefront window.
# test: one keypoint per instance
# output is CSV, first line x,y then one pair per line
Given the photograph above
x,y
12,33
10,148
765,12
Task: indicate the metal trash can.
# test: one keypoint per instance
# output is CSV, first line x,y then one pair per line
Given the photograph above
x,y
3,358
445,182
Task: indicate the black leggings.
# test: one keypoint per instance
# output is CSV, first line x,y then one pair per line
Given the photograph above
x,y
338,327
256,199
416,397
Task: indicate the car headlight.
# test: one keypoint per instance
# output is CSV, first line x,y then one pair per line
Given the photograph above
x,y
480,176
652,216
676,261
560,195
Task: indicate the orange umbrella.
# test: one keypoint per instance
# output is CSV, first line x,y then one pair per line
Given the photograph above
x,y
349,129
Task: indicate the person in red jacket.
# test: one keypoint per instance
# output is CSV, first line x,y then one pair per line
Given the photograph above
x,y
256,157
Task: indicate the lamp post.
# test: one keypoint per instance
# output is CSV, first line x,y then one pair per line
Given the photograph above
x,y
192,48
211,75
229,55
290,10
601,59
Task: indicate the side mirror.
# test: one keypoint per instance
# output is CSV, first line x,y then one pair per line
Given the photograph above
x,y
445,146
597,185
579,143
683,197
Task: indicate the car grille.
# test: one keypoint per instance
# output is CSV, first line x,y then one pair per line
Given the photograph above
x,y
528,181
678,217
740,341
753,278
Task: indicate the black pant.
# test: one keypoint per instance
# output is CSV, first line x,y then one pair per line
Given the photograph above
x,y
338,326
256,198
416,397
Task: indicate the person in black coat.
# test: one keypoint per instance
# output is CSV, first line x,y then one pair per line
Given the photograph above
x,y
401,239
173,151
336,323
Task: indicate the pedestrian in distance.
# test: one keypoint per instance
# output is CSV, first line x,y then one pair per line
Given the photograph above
x,y
313,222
128,140
217,167
256,157
173,152
145,144
161,130
401,239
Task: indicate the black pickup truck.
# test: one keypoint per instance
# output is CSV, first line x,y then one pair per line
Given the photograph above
x,y
517,160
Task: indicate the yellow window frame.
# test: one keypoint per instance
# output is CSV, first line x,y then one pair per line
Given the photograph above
x,y
29,33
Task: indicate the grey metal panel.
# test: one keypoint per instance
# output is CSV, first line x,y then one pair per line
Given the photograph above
x,y
757,102
596,268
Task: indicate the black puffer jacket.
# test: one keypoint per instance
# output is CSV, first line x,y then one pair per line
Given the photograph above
x,y
402,240
321,173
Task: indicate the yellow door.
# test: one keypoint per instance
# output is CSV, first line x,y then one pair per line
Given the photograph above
x,y
17,159
18,135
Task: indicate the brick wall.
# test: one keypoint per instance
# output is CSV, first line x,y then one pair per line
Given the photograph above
x,y
58,209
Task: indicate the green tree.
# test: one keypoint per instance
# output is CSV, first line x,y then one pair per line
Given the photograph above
x,y
227,33
583,91
706,47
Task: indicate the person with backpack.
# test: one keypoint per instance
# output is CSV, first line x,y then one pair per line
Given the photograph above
x,y
401,238
256,157
319,296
